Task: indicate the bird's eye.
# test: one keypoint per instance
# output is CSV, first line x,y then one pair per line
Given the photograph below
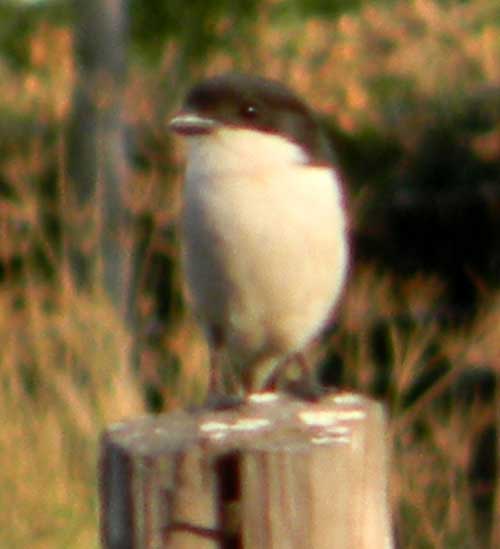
x,y
249,112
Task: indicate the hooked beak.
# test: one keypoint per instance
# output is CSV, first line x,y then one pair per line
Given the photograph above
x,y
189,124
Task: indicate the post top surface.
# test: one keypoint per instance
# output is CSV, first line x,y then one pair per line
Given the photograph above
x,y
261,421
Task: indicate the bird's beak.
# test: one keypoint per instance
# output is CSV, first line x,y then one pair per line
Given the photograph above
x,y
190,123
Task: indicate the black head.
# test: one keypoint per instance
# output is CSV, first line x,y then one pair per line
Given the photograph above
x,y
251,102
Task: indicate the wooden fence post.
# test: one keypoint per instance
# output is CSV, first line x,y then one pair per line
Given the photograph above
x,y
273,473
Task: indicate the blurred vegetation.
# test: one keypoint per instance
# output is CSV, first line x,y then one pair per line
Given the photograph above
x,y
410,96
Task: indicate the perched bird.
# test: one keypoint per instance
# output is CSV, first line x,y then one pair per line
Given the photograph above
x,y
263,225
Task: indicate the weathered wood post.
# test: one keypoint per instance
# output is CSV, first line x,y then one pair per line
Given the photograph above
x,y
273,473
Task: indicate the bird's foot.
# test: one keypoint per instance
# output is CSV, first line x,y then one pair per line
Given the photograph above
x,y
218,401
310,391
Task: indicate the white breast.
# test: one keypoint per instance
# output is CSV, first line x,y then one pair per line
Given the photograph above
x,y
264,241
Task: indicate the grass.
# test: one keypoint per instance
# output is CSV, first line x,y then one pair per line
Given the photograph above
x,y
64,377
66,353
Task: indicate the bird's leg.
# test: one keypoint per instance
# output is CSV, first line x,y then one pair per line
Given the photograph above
x,y
309,388
272,382
217,397
216,342
215,379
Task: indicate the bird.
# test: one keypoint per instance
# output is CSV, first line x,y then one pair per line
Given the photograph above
x,y
263,228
